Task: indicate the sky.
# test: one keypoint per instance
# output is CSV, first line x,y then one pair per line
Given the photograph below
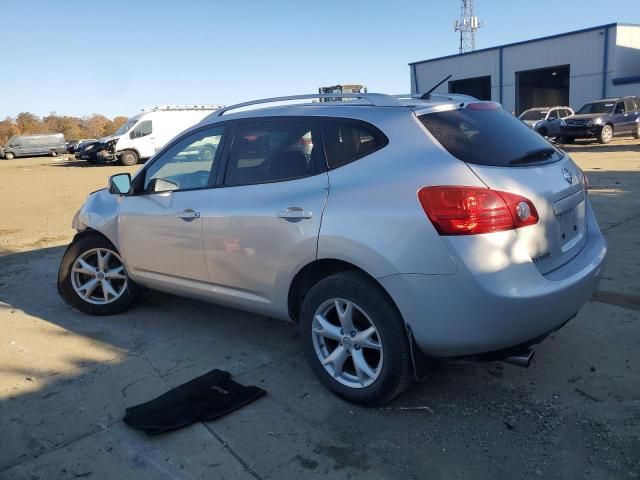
x,y
116,57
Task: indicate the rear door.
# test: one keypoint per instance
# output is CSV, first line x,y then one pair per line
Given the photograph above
x,y
507,156
621,123
263,224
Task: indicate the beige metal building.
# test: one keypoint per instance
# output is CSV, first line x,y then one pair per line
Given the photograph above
x,y
567,69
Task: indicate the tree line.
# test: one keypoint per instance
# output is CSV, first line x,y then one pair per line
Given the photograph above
x,y
73,128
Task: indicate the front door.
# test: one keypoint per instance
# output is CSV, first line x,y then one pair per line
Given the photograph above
x,y
143,139
160,225
263,225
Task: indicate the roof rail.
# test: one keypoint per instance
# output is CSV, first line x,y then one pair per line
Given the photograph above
x,y
375,99
182,107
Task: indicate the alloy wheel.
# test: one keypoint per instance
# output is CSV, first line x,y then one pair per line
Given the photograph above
x,y
98,276
347,343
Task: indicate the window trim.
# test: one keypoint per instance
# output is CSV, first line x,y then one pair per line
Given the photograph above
x,y
378,134
138,180
320,168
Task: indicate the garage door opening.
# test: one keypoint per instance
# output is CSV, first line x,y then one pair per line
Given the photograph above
x,y
545,87
479,87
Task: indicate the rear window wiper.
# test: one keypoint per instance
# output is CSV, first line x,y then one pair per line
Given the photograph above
x,y
533,156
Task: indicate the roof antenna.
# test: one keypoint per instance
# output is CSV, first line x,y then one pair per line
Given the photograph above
x,y
427,95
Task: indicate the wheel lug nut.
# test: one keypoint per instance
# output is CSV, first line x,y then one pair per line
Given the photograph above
x,y
357,347
353,334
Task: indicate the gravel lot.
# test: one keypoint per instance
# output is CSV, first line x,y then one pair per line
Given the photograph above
x,y
65,378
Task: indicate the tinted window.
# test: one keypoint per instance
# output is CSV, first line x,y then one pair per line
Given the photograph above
x,y
488,137
629,105
143,129
270,151
566,113
553,115
346,141
185,165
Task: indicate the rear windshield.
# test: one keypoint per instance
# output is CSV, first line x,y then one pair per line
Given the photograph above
x,y
491,137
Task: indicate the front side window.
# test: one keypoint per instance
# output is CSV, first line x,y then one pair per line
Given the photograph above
x,y
346,141
143,129
187,164
619,108
270,151
629,105
553,115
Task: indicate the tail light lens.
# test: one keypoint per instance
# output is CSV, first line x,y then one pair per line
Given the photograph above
x,y
457,210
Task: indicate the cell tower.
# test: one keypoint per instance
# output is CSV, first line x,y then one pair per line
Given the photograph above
x,y
467,26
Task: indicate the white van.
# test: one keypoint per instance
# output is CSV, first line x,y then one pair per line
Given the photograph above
x,y
147,132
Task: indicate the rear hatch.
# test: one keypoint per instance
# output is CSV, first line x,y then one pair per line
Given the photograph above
x,y
508,156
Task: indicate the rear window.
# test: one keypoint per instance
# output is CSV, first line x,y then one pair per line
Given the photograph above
x,y
491,137
348,140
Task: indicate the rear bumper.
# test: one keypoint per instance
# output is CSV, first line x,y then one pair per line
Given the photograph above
x,y
473,312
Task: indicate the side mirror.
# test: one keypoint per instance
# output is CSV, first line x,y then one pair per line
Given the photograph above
x,y
120,184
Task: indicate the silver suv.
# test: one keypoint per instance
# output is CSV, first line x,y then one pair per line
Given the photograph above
x,y
393,231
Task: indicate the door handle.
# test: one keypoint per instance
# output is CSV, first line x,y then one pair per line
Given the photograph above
x,y
294,213
188,214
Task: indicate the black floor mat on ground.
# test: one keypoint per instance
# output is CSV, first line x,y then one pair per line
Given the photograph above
x,y
205,398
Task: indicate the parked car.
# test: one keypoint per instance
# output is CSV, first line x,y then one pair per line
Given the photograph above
x,y
34,145
603,120
415,230
546,120
147,132
73,145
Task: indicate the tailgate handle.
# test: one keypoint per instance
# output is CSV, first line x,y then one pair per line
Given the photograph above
x,y
568,203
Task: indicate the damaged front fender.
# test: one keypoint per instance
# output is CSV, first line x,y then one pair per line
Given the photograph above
x,y
100,213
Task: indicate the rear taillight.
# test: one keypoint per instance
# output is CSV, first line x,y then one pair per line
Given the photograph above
x,y
457,210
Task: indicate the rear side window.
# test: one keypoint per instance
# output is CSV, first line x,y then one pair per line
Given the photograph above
x,y
349,140
270,151
491,137
629,105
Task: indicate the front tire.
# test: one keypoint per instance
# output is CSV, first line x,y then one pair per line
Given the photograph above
x,y
636,133
129,158
9,156
605,134
92,277
355,339
53,153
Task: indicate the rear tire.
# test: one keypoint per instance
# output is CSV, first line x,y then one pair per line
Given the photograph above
x,y
636,133
92,277
605,134
53,153
9,156
364,368
129,158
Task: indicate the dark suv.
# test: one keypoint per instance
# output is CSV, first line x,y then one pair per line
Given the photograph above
x,y
603,120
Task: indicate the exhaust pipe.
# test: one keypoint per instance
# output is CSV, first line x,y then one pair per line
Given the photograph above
x,y
523,359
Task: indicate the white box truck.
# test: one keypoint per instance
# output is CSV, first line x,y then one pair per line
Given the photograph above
x,y
146,133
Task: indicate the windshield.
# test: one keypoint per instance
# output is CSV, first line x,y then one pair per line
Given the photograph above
x,y
596,107
126,127
491,137
534,115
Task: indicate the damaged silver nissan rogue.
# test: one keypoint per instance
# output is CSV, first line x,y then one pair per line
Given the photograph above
x,y
392,230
